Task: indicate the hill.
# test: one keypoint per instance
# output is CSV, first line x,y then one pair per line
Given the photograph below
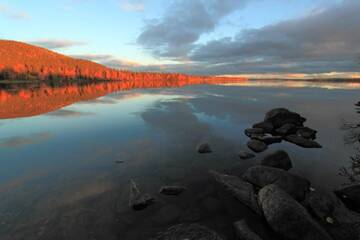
x,y
24,61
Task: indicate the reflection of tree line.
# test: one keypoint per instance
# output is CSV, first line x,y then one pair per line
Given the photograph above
x,y
21,100
353,138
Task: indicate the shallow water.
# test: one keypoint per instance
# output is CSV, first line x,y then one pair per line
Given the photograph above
x,y
58,173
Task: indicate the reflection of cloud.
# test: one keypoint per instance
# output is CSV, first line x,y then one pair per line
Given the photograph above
x,y
103,100
56,43
21,180
19,141
68,113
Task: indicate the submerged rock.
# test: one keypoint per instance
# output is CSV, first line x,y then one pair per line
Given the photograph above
x,y
204,148
350,195
137,200
306,132
279,159
189,232
287,217
251,131
172,190
244,232
246,155
302,142
257,146
294,185
242,191
281,116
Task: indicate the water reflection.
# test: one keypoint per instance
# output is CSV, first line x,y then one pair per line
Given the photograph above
x,y
67,185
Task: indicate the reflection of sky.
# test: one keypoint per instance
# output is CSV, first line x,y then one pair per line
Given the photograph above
x,y
70,154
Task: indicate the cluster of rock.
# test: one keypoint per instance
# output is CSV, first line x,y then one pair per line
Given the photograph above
x,y
288,204
139,201
281,124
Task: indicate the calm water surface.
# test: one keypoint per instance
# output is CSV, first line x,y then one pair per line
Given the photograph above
x,y
59,178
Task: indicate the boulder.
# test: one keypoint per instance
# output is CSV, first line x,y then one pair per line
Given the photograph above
x,y
246,155
172,190
340,222
302,142
294,185
267,138
250,131
257,146
241,190
286,129
306,132
357,104
281,116
350,195
244,232
287,217
279,159
204,148
189,232
266,126
137,200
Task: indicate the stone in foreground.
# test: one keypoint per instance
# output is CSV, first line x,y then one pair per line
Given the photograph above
x,y
244,232
350,195
281,116
251,131
241,190
246,155
294,185
266,126
287,217
137,200
257,146
204,148
306,132
279,159
188,232
172,190
267,138
302,142
286,129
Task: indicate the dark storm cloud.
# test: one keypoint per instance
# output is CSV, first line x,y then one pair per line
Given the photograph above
x,y
328,40
175,34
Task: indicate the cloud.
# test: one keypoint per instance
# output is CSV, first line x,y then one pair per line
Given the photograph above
x,y
175,34
109,60
56,43
132,5
13,13
326,40
20,141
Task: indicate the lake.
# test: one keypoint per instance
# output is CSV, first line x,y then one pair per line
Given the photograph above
x,y
67,154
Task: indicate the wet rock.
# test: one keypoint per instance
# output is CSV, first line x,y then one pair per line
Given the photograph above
x,y
286,129
137,200
246,155
204,148
341,223
302,142
244,232
357,104
281,116
251,131
242,191
119,161
350,195
279,159
189,232
172,190
212,204
266,126
287,217
267,138
306,132
294,185
257,146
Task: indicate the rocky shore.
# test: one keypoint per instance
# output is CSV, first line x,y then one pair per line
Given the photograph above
x,y
285,202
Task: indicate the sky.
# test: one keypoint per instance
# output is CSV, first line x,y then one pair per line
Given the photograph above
x,y
215,37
